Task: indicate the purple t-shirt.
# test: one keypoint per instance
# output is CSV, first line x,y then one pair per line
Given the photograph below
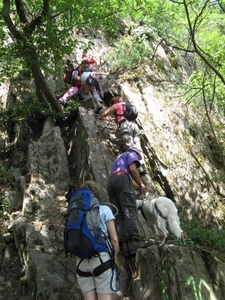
x,y
123,162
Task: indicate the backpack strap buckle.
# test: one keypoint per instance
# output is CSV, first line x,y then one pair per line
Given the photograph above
x,y
97,271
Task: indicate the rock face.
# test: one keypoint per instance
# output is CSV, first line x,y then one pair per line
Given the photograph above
x,y
174,272
45,166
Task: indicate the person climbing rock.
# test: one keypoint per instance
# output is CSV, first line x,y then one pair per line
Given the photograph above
x,y
122,194
92,84
79,89
128,130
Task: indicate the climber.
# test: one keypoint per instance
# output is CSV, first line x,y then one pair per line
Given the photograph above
x,y
128,130
92,62
76,85
92,84
122,194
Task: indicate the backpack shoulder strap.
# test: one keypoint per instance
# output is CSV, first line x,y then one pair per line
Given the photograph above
x,y
86,194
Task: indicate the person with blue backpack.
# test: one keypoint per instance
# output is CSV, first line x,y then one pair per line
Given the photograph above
x,y
90,235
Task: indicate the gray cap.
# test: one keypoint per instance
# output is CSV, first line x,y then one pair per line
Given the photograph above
x,y
136,149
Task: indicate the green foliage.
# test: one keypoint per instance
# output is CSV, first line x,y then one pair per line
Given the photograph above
x,y
128,54
37,35
218,176
41,33
35,112
164,286
32,110
6,177
38,215
3,118
4,208
48,29
135,76
5,174
71,109
200,236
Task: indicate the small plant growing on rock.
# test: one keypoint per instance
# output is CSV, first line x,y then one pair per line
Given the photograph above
x,y
4,207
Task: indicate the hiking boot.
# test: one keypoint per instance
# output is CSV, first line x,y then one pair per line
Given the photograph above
x,y
83,97
63,102
99,106
133,246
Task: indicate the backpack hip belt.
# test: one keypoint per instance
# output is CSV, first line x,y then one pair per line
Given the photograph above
x,y
97,271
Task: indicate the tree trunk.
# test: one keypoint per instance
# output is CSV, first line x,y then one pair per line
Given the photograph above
x,y
42,85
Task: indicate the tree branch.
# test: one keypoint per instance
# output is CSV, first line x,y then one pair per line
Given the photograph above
x,y
198,50
20,10
216,188
29,28
45,9
5,12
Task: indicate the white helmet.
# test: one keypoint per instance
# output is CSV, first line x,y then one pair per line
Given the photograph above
x,y
136,149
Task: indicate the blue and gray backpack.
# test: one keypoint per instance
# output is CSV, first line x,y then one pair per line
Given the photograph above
x,y
82,233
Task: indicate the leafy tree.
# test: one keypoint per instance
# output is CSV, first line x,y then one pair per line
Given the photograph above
x,y
204,26
37,34
196,29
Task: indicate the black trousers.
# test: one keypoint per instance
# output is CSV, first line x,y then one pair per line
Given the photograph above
x,y
122,194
